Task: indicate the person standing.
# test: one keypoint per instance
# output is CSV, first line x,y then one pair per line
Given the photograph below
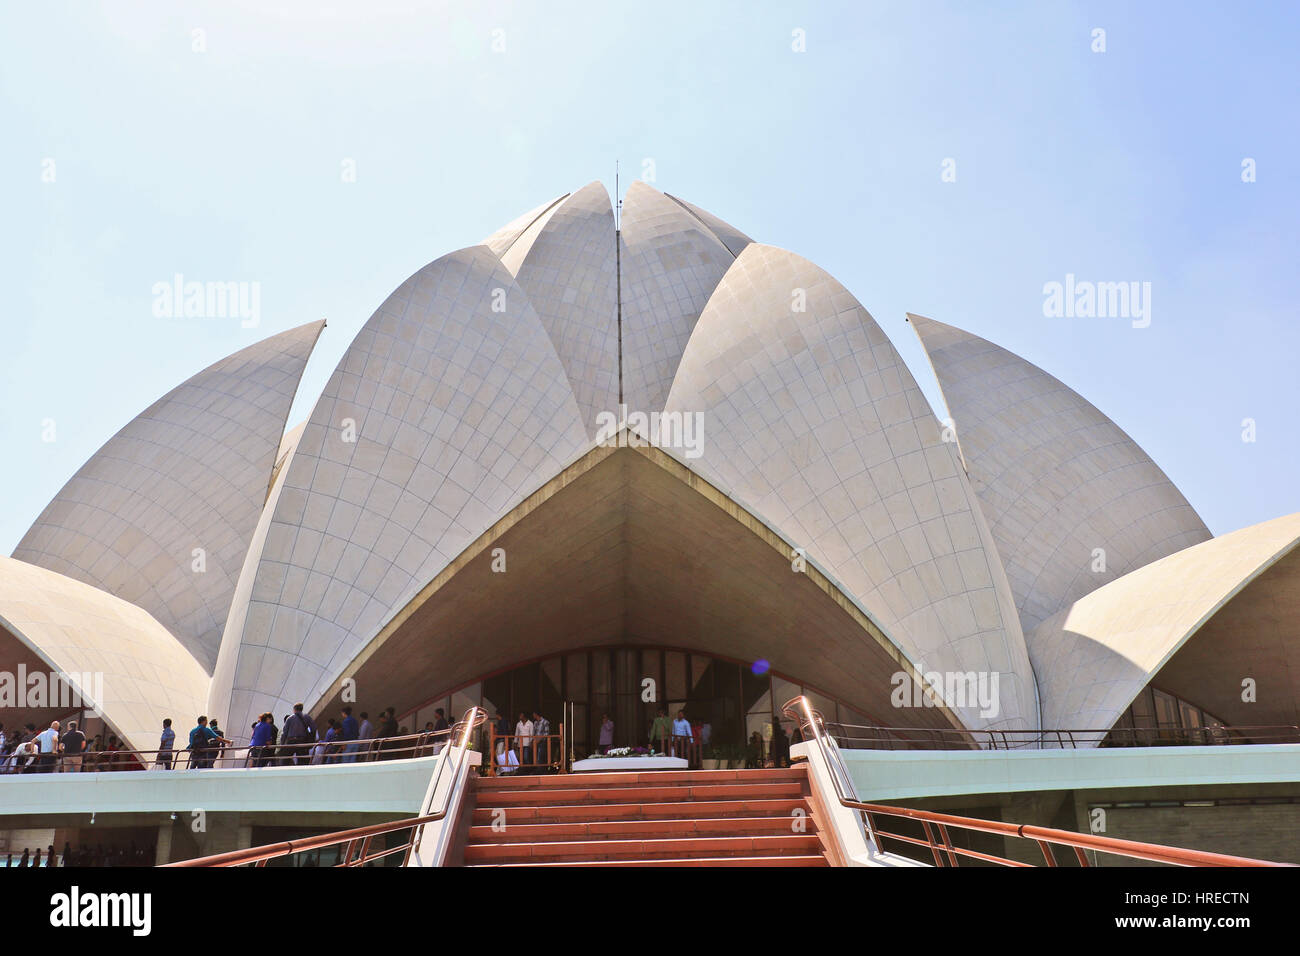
x,y
387,729
779,748
350,731
541,739
606,738
661,732
681,735
262,743
47,749
74,748
524,739
166,745
221,742
202,744
299,732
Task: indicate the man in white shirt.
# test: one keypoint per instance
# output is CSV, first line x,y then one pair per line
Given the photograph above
x,y
681,735
524,739
47,747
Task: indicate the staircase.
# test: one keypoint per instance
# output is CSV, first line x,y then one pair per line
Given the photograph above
x,y
664,818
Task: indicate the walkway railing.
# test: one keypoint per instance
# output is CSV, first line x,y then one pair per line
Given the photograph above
x,y
314,753
356,844
869,737
936,827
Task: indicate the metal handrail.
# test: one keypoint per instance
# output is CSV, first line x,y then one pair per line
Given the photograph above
x,y
275,755
360,837
941,846
943,738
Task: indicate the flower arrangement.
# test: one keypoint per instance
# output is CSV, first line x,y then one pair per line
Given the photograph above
x,y
627,752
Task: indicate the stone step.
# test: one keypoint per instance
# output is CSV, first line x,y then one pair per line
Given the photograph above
x,y
646,849
651,811
628,829
644,793
808,860
560,781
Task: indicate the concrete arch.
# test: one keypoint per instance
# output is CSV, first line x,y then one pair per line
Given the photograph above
x,y
628,546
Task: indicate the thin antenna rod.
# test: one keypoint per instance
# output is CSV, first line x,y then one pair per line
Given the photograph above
x,y
618,279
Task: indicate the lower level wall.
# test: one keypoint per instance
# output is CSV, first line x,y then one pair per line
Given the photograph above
x,y
151,838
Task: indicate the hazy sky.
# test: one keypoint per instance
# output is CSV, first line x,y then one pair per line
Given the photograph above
x,y
227,162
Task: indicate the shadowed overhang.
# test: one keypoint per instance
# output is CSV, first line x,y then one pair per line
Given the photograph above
x,y
628,546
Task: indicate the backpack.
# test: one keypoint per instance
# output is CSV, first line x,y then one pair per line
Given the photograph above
x,y
298,733
199,738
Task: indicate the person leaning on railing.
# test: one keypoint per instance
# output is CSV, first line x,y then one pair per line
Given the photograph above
x,y
47,747
204,744
262,744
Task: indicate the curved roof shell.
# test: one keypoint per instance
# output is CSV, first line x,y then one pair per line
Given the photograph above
x,y
811,420
190,472
1060,484
448,408
1093,657
77,630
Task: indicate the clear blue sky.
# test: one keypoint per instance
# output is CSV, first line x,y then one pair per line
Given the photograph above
x,y
225,165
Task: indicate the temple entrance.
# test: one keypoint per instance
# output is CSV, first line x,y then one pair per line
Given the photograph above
x,y
726,701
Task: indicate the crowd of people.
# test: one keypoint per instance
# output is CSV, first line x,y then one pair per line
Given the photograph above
x,y
97,855
681,737
297,741
24,749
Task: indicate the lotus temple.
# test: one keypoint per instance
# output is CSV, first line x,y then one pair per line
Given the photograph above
x,y
605,462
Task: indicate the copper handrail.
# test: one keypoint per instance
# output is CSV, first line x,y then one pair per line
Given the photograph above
x,y
935,825
946,738
360,838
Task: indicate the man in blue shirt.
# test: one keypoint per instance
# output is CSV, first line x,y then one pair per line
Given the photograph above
x,y
260,745
165,744
203,744
351,731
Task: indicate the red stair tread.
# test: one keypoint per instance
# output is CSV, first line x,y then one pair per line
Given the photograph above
x,y
666,818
